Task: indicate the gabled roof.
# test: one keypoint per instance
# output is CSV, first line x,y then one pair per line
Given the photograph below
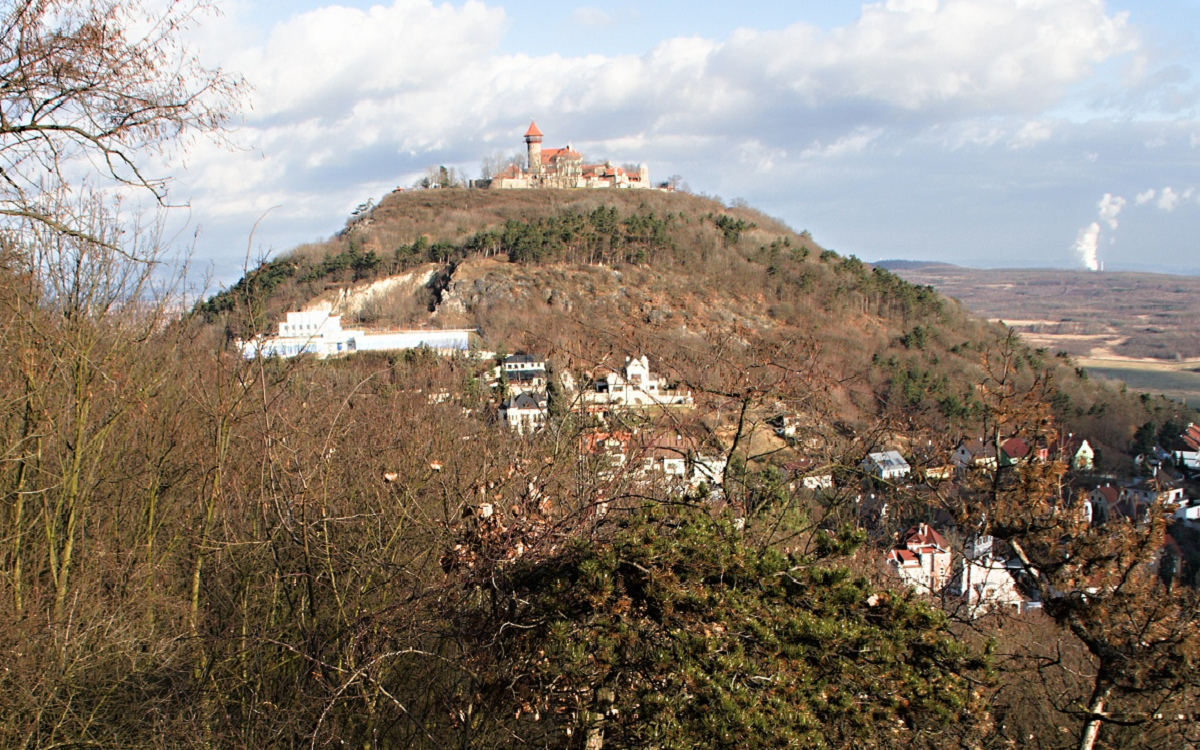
x,y
1109,493
1192,437
978,449
533,131
924,536
526,400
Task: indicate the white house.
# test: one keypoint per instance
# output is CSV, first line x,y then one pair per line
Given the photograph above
x,y
817,482
987,585
1188,512
1188,460
887,465
525,413
637,386
922,560
1080,454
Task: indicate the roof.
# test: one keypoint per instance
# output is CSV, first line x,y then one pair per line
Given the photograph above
x,y
1015,447
671,446
977,448
888,460
1109,493
533,131
518,358
924,536
526,400
1192,437
903,557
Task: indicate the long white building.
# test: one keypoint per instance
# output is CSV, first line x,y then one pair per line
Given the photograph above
x,y
321,334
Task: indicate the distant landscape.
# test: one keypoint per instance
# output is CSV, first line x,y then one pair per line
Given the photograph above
x,y
1140,328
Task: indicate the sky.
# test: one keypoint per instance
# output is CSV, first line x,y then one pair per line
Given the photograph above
x,y
987,133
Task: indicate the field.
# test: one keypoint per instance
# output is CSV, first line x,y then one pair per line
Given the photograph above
x,y
1178,381
1140,328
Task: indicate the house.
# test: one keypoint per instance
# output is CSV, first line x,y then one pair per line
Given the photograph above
x,y
1102,504
888,465
523,372
525,413
1077,453
1017,449
922,560
1189,460
320,333
1187,512
678,457
871,510
976,453
635,386
1191,437
564,168
987,585
1156,489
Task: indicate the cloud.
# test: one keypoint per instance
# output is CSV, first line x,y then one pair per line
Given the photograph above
x,y
1086,244
593,18
1145,197
1110,207
1168,199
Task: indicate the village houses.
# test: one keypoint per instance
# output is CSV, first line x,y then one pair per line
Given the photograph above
x,y
636,386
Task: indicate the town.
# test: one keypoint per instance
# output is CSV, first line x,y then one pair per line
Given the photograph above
x,y
638,433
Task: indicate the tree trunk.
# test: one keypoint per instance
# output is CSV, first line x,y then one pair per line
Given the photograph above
x,y
1091,730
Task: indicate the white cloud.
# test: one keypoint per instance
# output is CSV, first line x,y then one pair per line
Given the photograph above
x,y
1110,207
1145,197
593,18
1168,199
851,144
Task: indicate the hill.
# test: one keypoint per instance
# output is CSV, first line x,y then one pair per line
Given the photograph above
x,y
590,277
209,550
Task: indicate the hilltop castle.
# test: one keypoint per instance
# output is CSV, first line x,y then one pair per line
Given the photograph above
x,y
564,168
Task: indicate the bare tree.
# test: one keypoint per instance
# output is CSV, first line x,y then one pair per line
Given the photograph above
x,y
104,83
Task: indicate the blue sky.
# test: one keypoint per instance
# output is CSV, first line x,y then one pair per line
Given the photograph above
x,y
982,132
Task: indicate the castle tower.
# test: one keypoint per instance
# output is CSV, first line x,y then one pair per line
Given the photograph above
x,y
644,174
533,139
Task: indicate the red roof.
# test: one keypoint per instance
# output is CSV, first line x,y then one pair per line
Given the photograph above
x,y
1110,494
1015,447
533,131
924,536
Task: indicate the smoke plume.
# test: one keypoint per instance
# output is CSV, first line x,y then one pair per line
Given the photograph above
x,y
1086,243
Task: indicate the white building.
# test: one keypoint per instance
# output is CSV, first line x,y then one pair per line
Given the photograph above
x,y
525,413
637,386
986,585
923,560
887,465
321,334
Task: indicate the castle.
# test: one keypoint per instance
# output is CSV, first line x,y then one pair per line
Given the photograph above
x,y
564,168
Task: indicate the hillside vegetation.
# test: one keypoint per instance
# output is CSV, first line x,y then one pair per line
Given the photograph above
x,y
206,551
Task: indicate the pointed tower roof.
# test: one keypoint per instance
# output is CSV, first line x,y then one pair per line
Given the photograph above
x,y
533,130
